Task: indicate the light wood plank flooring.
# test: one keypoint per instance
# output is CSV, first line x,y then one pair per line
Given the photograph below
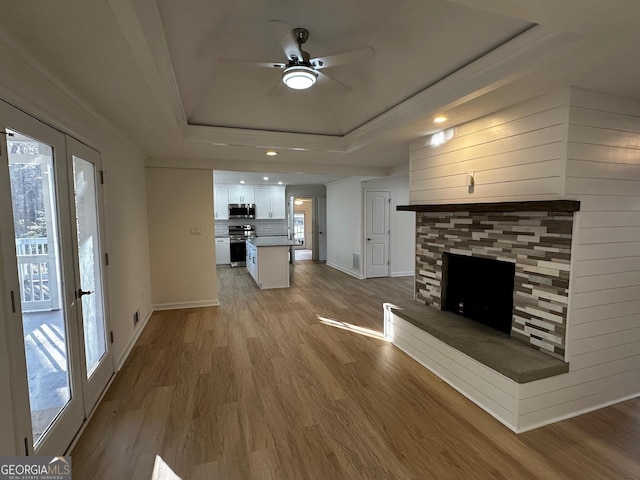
x,y
262,388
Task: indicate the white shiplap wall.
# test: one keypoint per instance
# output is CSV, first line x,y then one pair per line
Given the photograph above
x,y
571,144
517,154
603,172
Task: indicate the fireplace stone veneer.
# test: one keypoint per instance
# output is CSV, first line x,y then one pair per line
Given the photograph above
x,y
538,242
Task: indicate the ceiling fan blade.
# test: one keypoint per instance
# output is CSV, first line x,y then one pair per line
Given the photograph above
x,y
286,38
277,89
251,63
351,56
334,83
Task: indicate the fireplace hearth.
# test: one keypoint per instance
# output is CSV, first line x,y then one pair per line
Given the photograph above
x,y
479,288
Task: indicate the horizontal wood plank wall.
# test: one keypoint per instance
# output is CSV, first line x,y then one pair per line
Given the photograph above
x,y
492,391
603,338
517,154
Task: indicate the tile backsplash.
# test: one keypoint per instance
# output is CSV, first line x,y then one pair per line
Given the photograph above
x,y
264,228
539,243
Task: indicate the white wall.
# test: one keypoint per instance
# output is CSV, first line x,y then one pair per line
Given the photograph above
x,y
183,266
402,249
603,172
517,154
128,247
31,89
305,191
344,224
345,219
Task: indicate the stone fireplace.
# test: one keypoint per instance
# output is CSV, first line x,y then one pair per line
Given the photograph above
x,y
534,236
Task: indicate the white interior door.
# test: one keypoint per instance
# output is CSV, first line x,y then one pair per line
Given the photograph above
x,y
377,234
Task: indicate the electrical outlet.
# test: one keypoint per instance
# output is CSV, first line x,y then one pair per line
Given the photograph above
x,y
195,231
136,318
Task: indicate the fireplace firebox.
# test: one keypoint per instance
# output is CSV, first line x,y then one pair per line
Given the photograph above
x,y
479,288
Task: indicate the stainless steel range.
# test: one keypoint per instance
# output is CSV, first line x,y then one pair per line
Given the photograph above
x,y
238,235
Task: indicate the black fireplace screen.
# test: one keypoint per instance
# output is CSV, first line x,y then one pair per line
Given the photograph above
x,y
479,288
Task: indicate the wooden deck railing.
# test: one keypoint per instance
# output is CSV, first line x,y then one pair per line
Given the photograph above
x,y
38,275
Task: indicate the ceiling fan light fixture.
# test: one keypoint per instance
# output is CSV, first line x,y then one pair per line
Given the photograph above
x,y
299,77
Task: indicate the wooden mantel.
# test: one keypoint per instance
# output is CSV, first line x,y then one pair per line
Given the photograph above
x,y
526,206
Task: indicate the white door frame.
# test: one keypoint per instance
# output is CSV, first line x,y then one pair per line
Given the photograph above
x,y
320,229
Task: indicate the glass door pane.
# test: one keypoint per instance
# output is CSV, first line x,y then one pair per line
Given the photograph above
x,y
298,228
91,291
95,340
35,220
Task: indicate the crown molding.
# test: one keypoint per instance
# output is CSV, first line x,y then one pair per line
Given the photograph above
x,y
142,29
260,166
264,139
46,111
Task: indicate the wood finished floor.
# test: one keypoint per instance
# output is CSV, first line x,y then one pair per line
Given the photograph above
x,y
260,388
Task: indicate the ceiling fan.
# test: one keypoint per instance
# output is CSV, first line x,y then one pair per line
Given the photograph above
x,y
301,71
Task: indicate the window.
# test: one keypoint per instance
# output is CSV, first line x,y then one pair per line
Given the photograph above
x,y
298,228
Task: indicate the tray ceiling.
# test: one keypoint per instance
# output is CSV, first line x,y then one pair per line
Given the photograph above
x,y
416,43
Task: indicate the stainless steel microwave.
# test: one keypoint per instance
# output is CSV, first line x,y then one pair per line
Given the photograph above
x,y
242,210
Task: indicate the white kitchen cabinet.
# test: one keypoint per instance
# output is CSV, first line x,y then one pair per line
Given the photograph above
x,y
242,195
270,203
278,203
263,203
223,253
221,203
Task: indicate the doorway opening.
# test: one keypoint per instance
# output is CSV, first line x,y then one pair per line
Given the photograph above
x,y
303,228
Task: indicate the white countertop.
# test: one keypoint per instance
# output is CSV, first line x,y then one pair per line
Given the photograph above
x,y
276,241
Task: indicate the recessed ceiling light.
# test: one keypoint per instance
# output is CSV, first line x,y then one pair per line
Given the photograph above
x,y
242,182
440,119
279,183
265,178
272,153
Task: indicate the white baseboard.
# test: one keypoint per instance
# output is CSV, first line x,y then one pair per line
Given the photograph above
x,y
358,275
181,305
403,274
593,408
132,342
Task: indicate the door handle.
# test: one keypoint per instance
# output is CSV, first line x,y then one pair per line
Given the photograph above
x,y
368,239
83,292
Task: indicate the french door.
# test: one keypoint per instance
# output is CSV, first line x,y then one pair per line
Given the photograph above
x,y
51,247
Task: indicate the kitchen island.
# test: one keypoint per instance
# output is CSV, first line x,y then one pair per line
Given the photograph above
x,y
268,261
